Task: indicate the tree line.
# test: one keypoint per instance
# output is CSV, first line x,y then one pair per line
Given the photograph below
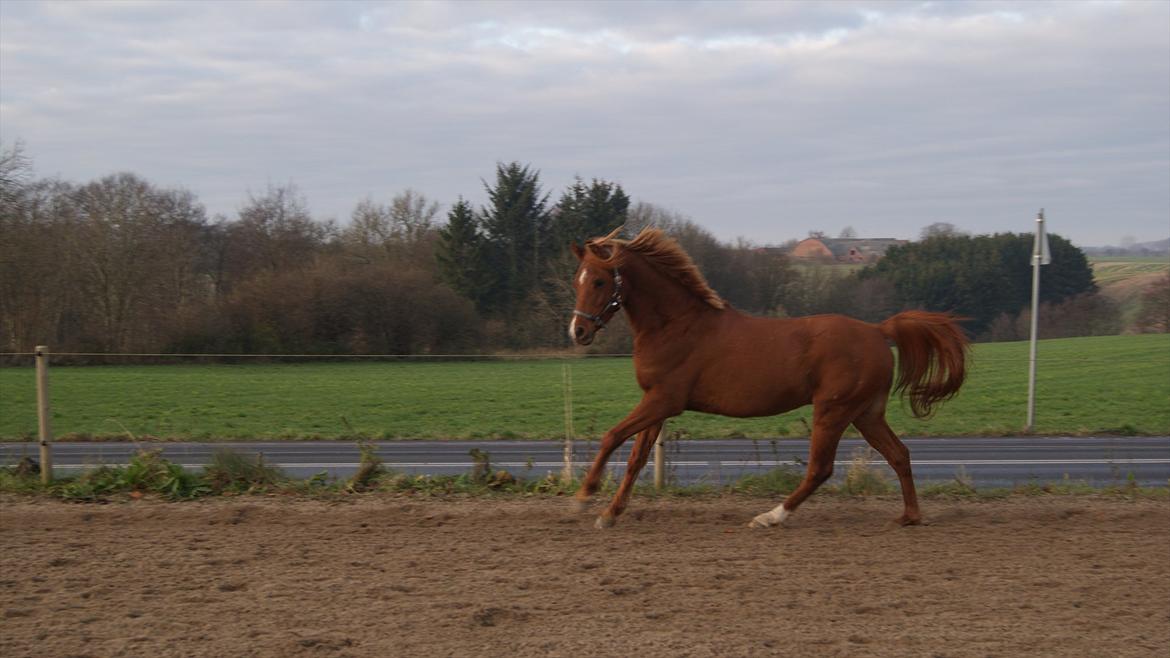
x,y
120,265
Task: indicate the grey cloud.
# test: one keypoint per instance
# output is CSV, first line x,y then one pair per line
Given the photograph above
x,y
756,119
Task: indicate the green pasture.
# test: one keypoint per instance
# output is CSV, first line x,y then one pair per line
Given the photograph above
x,y
1109,384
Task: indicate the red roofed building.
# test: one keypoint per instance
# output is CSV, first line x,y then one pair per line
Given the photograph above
x,y
843,250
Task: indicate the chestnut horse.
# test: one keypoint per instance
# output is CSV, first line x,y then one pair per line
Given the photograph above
x,y
692,351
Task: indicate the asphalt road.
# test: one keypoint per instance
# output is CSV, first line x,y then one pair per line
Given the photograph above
x,y
988,462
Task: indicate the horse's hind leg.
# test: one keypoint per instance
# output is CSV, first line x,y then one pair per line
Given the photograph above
x,y
638,456
877,432
828,425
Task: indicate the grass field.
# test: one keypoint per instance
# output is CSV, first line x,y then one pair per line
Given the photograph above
x,y
1110,384
1111,270
1125,281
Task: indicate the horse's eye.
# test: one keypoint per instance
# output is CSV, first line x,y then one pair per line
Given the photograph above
x,y
597,283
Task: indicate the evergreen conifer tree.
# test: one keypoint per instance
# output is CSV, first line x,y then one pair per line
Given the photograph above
x,y
517,240
460,253
587,211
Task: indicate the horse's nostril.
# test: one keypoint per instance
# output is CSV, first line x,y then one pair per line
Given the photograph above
x,y
580,331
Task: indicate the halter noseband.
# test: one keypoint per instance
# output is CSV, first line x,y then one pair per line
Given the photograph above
x,y
615,303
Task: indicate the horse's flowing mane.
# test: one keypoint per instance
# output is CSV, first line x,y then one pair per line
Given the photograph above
x,y
665,255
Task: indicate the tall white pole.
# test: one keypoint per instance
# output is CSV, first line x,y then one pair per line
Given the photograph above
x,y
1037,254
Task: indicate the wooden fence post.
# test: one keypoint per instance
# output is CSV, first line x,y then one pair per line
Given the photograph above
x,y
567,391
660,459
45,429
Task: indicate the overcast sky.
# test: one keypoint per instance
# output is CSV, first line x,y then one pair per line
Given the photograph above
x,y
758,119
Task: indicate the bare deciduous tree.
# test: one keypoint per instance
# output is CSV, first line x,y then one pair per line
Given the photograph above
x,y
136,246
274,232
401,229
940,229
38,285
15,172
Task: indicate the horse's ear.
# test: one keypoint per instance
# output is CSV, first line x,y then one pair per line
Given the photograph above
x,y
578,251
612,234
602,251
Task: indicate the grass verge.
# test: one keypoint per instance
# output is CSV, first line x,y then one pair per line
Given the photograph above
x,y
230,474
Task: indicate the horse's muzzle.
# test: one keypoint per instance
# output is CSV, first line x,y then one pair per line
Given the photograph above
x,y
580,334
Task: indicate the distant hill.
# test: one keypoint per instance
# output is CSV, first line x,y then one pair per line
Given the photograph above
x,y
1155,248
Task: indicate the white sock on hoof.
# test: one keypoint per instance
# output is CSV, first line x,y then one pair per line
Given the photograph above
x,y
775,517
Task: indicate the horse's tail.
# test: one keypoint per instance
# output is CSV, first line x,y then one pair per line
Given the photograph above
x,y
932,357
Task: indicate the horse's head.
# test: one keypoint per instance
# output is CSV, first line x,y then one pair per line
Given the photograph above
x,y
599,288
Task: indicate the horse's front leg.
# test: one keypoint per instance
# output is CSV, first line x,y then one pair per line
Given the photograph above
x,y
638,456
648,412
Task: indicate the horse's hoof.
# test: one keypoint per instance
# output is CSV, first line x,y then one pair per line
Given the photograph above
x,y
578,505
769,519
762,521
604,521
905,520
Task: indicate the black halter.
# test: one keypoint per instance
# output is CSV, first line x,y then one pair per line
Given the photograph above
x,y
615,303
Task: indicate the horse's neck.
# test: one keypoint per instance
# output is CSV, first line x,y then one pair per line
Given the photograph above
x,y
655,302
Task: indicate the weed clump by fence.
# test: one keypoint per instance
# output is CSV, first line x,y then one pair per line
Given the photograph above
x,y
230,473
148,472
862,479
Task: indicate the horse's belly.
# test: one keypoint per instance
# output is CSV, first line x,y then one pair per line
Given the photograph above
x,y
743,398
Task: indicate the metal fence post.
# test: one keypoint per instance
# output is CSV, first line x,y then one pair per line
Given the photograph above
x,y
45,429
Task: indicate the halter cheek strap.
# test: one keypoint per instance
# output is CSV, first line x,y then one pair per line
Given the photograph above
x,y
612,307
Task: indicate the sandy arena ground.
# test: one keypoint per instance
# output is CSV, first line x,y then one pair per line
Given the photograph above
x,y
394,576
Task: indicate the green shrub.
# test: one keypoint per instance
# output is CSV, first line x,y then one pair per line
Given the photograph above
x,y
147,472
